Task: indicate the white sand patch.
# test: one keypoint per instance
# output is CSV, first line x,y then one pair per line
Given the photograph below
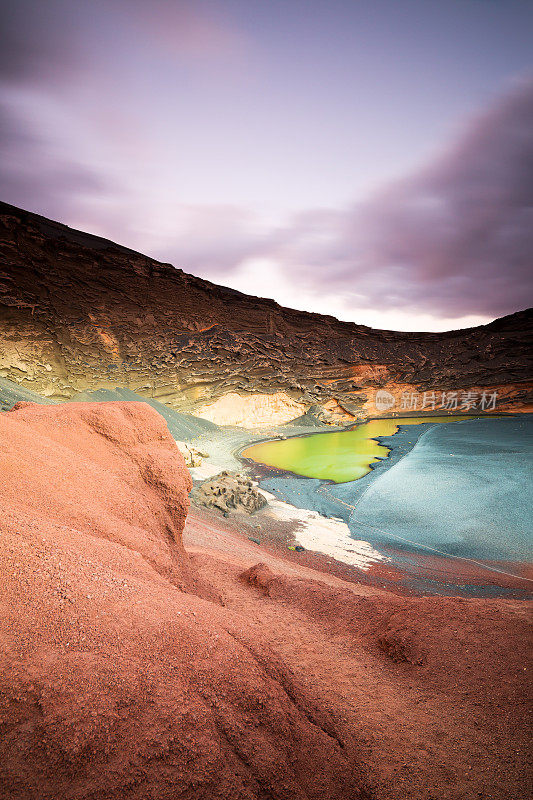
x,y
206,470
320,534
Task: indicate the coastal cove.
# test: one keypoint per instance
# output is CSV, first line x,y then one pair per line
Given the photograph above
x,y
266,400
446,507
445,512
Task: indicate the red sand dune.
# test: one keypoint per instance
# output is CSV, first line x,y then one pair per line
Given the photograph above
x,y
125,675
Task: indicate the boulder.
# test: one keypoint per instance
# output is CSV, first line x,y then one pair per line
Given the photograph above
x,y
229,491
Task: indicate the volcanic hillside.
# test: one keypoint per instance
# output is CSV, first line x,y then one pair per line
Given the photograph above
x,y
78,313
133,667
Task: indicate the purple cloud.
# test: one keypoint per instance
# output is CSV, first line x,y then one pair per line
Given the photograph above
x,y
145,123
38,42
455,238
36,175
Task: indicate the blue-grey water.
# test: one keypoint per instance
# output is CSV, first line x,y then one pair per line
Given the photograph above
x,y
462,489
465,488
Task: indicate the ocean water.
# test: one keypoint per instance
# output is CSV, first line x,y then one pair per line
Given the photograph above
x,y
464,489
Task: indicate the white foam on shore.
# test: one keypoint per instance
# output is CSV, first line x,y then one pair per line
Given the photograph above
x,y
331,537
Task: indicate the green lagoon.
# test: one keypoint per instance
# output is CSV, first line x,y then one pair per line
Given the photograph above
x,y
340,456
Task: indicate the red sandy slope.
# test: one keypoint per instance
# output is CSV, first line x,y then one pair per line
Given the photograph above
x,y
123,676
115,683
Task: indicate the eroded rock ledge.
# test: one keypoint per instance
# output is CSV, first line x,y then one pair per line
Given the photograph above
x,y
81,313
229,491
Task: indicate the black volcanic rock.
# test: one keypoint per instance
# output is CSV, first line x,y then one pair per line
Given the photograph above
x,y
79,313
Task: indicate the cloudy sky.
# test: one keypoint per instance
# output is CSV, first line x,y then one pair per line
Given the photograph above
x,y
371,159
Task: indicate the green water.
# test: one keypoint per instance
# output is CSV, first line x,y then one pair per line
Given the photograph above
x,y
340,456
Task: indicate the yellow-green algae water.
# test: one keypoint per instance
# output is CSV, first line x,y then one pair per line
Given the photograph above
x,y
340,456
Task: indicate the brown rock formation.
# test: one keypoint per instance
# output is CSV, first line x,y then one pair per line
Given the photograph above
x,y
78,312
229,491
116,680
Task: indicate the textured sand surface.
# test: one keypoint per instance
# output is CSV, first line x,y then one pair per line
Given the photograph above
x,y
464,489
133,669
117,679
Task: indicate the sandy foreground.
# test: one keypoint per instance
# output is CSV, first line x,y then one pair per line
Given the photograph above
x,y
152,651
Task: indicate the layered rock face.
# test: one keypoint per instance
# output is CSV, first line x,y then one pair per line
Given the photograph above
x,y
117,680
80,313
252,410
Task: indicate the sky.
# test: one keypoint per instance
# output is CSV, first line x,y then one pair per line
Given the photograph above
x,y
369,159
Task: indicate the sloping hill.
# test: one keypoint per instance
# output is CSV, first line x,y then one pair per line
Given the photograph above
x,y
79,313
12,393
182,426
121,675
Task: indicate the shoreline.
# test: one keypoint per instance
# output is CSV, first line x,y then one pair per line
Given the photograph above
x,y
277,536
400,570
389,566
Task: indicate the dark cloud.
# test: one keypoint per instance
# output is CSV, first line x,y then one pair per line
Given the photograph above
x,y
34,175
49,43
38,41
454,239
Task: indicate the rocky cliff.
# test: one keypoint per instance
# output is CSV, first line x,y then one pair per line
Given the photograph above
x,y
79,313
